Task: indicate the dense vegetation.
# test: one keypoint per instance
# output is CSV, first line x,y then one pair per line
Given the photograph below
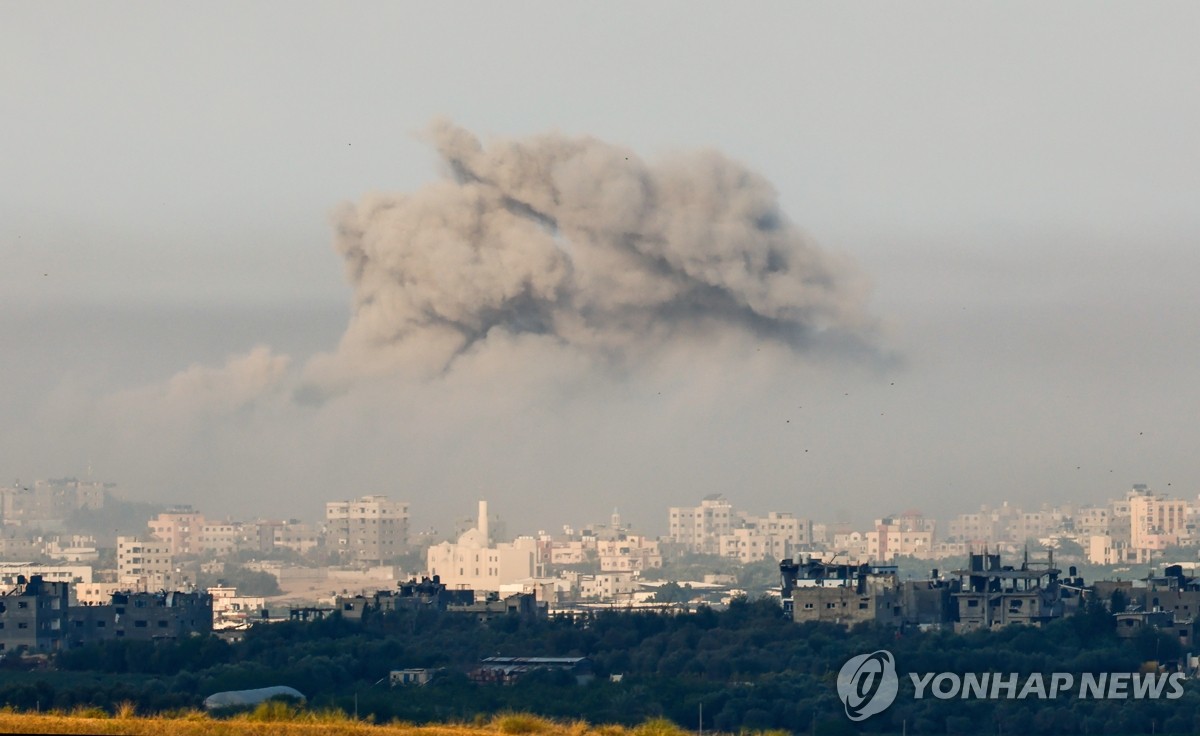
x,y
750,668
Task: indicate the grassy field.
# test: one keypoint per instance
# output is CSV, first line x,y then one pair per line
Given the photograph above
x,y
281,718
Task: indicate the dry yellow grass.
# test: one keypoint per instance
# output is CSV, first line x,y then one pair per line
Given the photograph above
x,y
296,722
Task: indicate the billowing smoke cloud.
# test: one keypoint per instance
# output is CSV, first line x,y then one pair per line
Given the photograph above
x,y
583,244
543,294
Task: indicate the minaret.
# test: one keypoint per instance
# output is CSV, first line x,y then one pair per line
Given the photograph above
x,y
616,519
483,523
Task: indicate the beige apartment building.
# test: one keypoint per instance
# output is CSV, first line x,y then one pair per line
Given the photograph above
x,y
145,565
180,529
370,529
699,528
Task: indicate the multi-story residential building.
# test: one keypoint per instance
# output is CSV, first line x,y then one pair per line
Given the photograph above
x,y
699,528
370,529
1139,527
749,544
774,537
47,502
180,529
628,553
989,595
1155,521
219,537
301,537
607,586
143,616
33,616
567,552
146,564
1103,549
36,615
1007,525
846,593
258,536
907,535
979,528
851,546
1037,524
1092,520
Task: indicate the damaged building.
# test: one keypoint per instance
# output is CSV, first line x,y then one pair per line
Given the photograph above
x,y
846,594
426,594
35,616
985,595
1168,602
992,595
431,594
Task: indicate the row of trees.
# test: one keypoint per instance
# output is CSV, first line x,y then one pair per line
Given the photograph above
x,y
748,666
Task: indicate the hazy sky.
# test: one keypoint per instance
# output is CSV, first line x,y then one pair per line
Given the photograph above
x,y
1018,182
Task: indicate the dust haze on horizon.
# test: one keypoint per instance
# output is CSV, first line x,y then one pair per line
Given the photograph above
x,y
791,255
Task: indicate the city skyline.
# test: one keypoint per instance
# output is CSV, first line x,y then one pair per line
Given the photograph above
x,y
1138,527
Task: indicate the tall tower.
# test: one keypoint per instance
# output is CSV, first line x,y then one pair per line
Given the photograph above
x,y
483,522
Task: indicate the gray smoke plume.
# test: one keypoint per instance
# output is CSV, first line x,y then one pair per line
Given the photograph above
x,y
582,243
